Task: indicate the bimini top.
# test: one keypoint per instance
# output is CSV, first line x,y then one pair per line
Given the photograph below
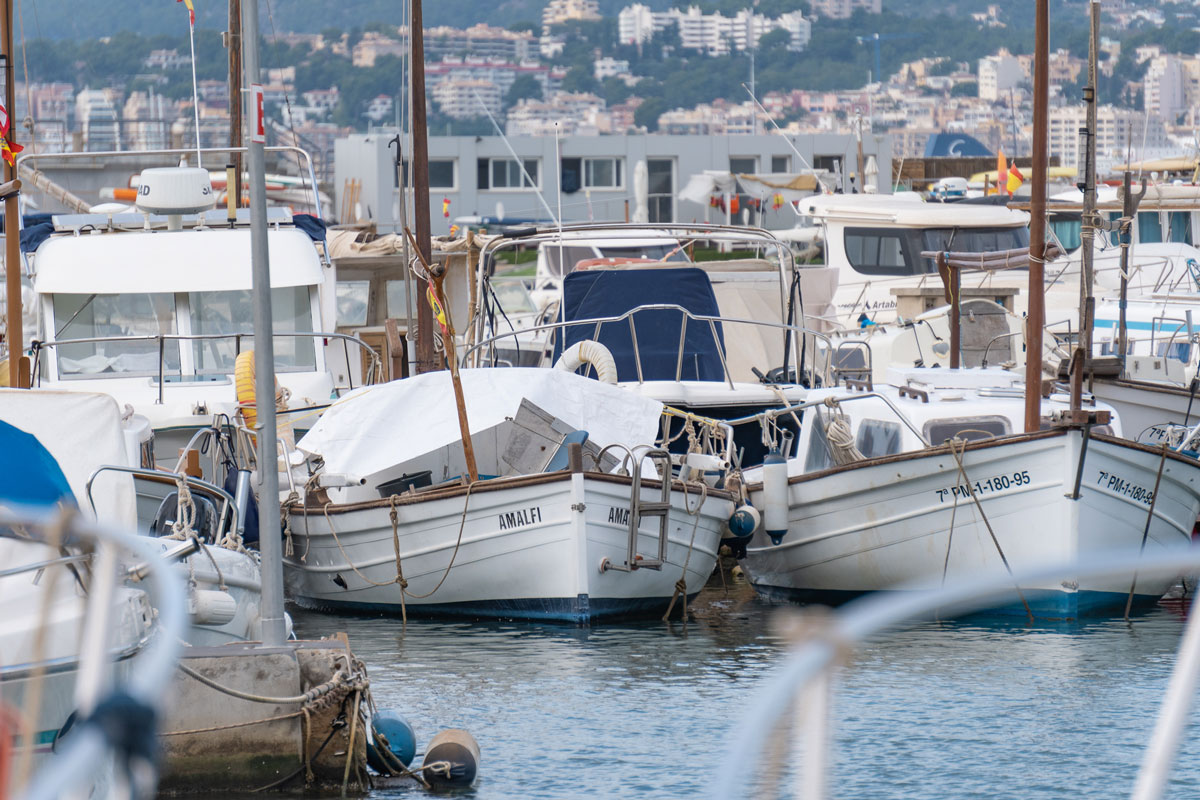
x,y
209,259
909,211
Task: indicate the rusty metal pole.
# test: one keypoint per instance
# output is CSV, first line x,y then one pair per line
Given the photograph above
x,y
427,360
1036,320
14,332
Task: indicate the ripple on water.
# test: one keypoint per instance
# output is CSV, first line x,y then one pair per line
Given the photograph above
x,y
952,709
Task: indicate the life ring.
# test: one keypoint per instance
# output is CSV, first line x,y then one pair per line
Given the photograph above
x,y
589,352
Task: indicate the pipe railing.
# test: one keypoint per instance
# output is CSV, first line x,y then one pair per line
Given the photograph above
x,y
476,351
763,417
81,757
799,694
376,364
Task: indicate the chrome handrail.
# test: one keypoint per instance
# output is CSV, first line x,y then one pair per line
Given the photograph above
x,y
763,416
598,322
162,338
227,502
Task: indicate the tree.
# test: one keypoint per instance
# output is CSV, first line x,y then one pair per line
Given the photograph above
x,y
580,79
647,113
525,25
965,89
615,90
524,87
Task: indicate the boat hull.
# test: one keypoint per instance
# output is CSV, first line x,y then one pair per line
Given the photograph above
x,y
539,547
910,520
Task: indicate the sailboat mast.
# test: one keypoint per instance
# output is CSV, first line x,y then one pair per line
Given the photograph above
x,y
1087,141
270,545
1037,223
426,358
234,43
13,333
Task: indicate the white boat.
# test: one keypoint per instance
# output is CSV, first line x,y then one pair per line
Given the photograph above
x,y
73,632
942,486
98,453
390,524
153,307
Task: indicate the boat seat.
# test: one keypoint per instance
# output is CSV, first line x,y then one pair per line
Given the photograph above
x,y
558,461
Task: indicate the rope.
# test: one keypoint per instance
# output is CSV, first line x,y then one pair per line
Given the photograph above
x,y
312,695
395,517
955,450
681,584
1146,531
840,436
230,725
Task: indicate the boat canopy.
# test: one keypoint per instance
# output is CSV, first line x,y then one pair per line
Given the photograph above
x,y
595,294
209,259
380,427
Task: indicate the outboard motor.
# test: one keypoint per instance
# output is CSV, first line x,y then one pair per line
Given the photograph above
x,y
168,512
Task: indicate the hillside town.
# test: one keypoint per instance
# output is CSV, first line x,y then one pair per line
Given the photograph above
x,y
534,80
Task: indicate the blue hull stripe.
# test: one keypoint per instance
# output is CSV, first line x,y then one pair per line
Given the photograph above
x,y
575,610
1045,604
1133,325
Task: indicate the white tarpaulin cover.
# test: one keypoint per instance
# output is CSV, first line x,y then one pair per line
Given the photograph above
x,y
378,427
82,431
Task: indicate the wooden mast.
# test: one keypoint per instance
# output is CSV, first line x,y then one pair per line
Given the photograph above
x,y
13,333
426,357
1036,320
233,42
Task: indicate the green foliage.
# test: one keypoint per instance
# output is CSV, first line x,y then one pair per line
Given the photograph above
x,y
525,25
580,79
614,91
647,113
525,86
967,89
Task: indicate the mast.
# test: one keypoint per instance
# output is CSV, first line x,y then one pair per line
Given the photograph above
x,y
13,332
426,358
233,41
1037,223
270,545
1087,141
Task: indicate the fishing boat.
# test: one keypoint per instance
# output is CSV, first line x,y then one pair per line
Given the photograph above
x,y
929,478
574,515
152,305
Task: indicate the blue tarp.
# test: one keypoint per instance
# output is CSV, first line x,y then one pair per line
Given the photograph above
x,y
311,224
29,475
591,294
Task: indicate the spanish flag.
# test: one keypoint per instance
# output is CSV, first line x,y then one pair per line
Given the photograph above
x,y
1015,179
446,207
191,11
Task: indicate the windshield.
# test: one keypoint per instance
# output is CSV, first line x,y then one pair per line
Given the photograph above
x,y
972,240
571,255
233,312
514,297
82,316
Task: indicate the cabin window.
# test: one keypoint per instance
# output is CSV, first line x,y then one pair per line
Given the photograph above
x,y
1149,228
352,297
874,251
969,428
221,314
972,240
1067,230
83,316
878,438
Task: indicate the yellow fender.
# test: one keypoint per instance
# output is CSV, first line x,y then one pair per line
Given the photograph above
x,y
243,379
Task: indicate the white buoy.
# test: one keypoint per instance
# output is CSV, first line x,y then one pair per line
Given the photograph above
x,y
775,496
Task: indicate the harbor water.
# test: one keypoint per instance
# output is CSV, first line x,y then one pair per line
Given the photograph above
x,y
972,708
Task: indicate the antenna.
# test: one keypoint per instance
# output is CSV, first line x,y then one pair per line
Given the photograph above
x,y
779,130
195,86
520,163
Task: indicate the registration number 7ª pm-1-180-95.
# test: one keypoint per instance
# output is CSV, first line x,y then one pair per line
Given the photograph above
x,y
1118,485
996,483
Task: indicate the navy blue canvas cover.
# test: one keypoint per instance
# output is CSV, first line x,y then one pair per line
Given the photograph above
x,y
593,294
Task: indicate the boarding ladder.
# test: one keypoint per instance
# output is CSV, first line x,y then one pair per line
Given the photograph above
x,y
639,509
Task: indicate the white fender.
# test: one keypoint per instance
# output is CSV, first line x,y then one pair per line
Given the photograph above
x,y
589,352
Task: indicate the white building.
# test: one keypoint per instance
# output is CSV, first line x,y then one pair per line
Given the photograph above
x,y
559,11
462,99
713,34
998,74
609,67
843,9
1164,94
99,123
1115,128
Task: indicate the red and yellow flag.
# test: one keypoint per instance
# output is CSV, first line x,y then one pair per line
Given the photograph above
x,y
439,313
1015,179
191,11
446,207
8,150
